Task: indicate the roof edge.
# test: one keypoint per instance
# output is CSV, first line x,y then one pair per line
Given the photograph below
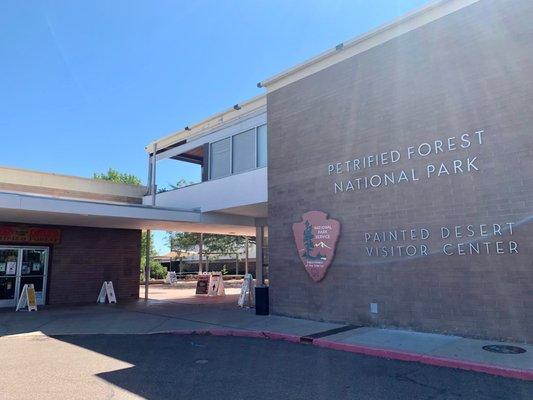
x,y
237,111
383,33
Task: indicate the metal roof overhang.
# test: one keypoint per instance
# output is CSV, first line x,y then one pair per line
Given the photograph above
x,y
32,209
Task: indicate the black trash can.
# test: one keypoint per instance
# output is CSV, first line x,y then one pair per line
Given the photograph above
x,y
261,300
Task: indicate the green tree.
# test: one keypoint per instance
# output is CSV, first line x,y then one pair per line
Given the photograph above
x,y
157,271
182,242
179,184
153,252
226,244
119,177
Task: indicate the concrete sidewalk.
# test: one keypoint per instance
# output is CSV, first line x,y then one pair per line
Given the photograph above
x,y
153,316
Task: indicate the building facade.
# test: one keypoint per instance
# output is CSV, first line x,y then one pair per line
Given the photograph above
x,y
387,182
51,237
67,264
417,139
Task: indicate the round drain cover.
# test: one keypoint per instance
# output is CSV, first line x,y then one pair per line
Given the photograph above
x,y
504,349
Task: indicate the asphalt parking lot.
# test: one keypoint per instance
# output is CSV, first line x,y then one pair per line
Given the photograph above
x,y
166,366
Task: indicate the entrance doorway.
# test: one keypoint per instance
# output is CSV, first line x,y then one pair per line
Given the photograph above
x,y
20,265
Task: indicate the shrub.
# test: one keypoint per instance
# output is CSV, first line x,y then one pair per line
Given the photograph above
x,y
157,271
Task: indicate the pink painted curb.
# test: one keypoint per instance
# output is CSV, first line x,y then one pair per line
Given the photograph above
x,y
282,336
236,332
427,359
370,351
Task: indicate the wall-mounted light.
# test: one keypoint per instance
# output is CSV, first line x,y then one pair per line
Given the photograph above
x,y
236,107
187,128
339,46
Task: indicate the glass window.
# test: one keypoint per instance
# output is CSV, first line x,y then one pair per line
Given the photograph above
x,y
33,262
244,151
261,146
8,261
220,158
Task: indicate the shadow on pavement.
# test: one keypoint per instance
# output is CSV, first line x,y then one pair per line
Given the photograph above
x,y
206,367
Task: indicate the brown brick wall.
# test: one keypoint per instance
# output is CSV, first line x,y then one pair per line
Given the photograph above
x,y
86,257
468,71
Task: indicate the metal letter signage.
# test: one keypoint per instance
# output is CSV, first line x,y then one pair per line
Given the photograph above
x,y
316,237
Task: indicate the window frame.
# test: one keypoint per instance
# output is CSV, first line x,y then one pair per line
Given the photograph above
x,y
231,140
257,166
254,162
210,174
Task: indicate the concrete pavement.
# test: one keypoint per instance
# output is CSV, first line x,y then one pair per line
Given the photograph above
x,y
222,317
164,366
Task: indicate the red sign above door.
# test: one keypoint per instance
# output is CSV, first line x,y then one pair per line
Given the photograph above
x,y
15,234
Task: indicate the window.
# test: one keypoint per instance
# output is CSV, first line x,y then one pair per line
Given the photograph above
x,y
243,153
261,146
220,158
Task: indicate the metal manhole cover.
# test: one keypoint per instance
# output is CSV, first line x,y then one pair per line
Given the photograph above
x,y
504,349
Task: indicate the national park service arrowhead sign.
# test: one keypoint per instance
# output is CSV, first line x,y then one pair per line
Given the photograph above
x,y
316,237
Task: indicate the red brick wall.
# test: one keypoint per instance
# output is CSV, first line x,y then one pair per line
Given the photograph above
x,y
86,257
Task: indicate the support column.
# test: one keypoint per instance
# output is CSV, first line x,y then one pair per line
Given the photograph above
x,y
149,177
153,189
147,265
259,255
236,263
200,251
246,256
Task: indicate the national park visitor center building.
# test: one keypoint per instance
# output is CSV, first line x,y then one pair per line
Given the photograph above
x,y
399,187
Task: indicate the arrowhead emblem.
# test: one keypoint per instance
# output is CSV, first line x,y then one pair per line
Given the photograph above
x,y
316,238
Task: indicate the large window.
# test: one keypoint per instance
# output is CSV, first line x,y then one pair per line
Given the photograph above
x,y
242,152
220,165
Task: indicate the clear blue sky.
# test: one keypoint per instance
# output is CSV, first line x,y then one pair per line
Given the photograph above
x,y
85,85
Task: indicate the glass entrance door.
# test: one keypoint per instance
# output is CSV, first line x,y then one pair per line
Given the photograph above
x,y
9,260
19,266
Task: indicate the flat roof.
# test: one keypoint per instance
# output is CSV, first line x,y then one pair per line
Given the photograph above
x,y
204,127
36,209
408,22
18,180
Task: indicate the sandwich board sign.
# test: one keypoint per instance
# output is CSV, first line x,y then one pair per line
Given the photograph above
x,y
216,285
202,284
107,291
27,298
247,296
171,277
